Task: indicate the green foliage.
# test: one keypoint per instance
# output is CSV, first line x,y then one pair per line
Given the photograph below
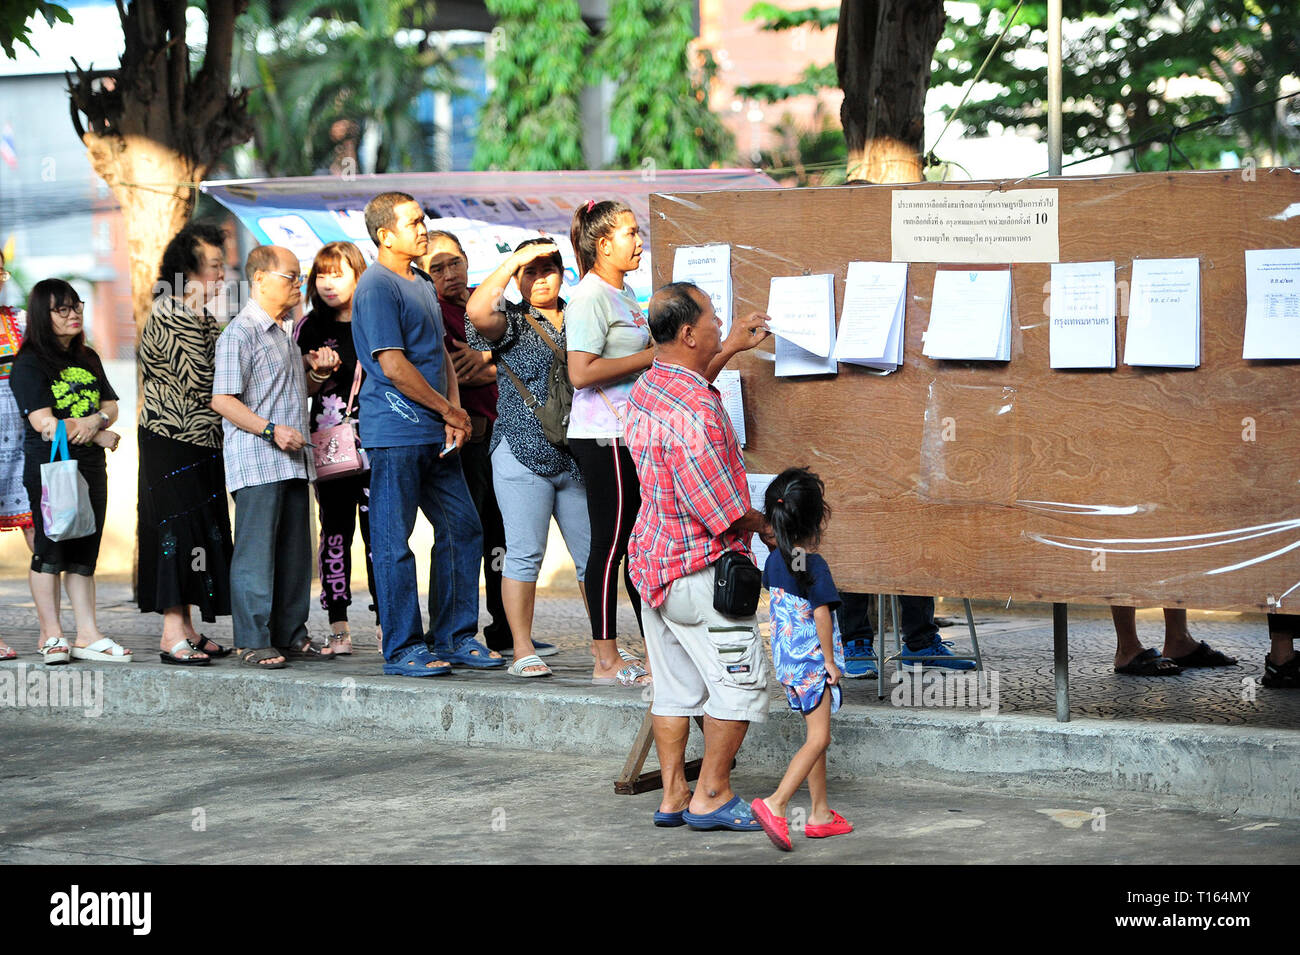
x,y
778,18
533,117
1121,75
14,17
814,79
660,113
317,86
808,155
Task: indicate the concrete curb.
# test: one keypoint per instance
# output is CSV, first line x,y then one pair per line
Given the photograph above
x,y
1205,768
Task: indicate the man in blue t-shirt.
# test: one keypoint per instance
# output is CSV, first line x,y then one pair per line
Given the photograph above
x,y
411,426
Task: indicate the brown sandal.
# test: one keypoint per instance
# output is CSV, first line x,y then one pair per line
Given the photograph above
x,y
254,657
306,652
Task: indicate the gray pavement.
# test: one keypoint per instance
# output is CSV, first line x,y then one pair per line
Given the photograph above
x,y
102,795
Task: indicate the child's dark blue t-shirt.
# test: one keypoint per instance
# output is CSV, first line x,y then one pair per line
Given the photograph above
x,y
822,593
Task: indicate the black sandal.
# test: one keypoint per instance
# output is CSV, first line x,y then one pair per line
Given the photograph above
x,y
1147,663
1205,656
216,654
306,652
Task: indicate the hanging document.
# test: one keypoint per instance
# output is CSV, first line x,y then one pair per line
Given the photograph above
x,y
1164,314
709,267
871,324
970,316
728,385
1082,315
1272,304
758,484
801,309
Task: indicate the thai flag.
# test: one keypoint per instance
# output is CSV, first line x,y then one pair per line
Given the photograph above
x,y
7,152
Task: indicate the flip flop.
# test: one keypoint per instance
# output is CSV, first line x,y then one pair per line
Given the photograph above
x,y
735,815
626,677
776,827
1147,663
520,666
169,656
8,653
104,650
471,653
1204,656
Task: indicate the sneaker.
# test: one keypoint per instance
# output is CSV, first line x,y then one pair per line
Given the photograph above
x,y
860,660
1285,676
938,648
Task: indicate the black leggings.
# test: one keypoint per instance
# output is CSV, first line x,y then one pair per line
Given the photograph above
x,y
613,498
339,501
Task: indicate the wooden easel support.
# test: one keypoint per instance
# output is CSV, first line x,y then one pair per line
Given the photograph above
x,y
631,780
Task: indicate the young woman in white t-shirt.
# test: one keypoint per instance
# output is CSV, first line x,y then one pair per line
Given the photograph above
x,y
608,349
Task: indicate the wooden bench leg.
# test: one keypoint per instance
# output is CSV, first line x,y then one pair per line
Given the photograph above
x,y
631,780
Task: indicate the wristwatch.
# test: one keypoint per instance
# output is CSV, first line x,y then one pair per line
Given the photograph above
x,y
269,431
104,418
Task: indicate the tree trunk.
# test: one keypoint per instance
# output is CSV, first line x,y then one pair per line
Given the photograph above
x,y
882,55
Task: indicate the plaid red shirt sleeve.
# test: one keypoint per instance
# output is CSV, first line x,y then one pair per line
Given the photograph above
x,y
692,479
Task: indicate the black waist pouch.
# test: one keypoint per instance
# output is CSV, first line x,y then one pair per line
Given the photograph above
x,y
736,585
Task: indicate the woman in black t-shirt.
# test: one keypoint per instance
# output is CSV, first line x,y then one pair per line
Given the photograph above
x,y
339,500
57,377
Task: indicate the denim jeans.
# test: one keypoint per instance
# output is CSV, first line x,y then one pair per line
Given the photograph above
x,y
917,624
270,570
403,480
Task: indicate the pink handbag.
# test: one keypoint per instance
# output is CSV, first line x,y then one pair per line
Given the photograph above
x,y
338,452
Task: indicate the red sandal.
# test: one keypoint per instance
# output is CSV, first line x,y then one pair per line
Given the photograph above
x,y
838,826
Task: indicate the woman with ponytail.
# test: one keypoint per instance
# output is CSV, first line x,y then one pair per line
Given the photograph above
x,y
608,349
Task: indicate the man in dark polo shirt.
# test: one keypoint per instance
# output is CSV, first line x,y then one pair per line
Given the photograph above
x,y
476,374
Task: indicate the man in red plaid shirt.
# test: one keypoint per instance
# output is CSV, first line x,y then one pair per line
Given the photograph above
x,y
694,507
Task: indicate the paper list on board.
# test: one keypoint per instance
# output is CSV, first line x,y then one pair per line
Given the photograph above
x,y
1082,315
709,267
970,316
801,309
728,385
871,323
1272,304
1164,314
758,484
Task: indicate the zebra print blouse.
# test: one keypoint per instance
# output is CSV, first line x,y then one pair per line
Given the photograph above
x,y
177,354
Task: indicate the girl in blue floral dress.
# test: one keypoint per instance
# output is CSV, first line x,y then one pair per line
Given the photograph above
x,y
807,654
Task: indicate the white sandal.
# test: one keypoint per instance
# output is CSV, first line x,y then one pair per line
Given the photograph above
x,y
519,667
105,650
55,650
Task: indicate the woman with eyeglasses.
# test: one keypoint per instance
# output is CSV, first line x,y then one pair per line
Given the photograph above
x,y
15,510
341,502
57,378
184,524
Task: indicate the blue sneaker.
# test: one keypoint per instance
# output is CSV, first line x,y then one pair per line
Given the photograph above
x,y
938,648
860,660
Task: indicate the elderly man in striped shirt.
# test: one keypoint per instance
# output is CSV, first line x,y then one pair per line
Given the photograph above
x,y
694,508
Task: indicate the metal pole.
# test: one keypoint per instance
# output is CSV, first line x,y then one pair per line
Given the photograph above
x,y
1061,662
1053,87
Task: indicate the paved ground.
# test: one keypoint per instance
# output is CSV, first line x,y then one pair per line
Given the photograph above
x,y
1015,642
101,795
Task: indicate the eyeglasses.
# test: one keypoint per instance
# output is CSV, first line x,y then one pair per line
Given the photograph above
x,y
294,279
63,311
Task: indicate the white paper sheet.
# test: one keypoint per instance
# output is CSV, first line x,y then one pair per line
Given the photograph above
x,y
728,384
801,309
970,316
871,324
1082,331
709,267
1164,314
1272,304
758,484
791,360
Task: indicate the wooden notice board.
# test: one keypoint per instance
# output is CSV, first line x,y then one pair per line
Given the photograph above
x,y
1001,480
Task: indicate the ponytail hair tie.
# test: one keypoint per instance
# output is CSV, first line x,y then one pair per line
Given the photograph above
x,y
590,204
780,500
